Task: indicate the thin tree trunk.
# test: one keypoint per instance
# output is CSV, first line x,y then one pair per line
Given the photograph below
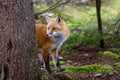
x,y
17,41
100,30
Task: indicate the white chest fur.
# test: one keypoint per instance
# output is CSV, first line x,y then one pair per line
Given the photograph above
x,y
58,41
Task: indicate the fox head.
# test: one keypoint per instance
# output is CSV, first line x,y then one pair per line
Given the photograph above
x,y
54,27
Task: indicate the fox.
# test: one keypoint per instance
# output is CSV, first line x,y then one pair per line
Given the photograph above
x,y
50,38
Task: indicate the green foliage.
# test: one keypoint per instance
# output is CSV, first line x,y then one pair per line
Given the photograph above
x,y
115,49
109,53
74,40
88,68
118,40
88,35
39,5
74,22
117,65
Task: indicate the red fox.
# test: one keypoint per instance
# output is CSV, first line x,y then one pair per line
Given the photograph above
x,y
50,37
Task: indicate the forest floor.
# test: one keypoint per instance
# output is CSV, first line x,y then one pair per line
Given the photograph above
x,y
87,55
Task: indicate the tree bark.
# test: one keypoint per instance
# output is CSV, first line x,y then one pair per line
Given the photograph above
x,y
17,40
100,30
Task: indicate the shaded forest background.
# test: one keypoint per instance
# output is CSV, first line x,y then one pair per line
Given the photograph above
x,y
80,16
81,54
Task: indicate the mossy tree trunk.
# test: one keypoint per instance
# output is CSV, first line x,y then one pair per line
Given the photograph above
x,y
17,41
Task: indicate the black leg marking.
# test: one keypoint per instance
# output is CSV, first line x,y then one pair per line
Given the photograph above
x,y
58,65
47,65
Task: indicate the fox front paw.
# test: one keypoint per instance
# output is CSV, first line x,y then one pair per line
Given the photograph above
x,y
50,71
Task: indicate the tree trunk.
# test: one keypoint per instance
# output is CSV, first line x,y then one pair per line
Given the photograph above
x,y
17,40
100,30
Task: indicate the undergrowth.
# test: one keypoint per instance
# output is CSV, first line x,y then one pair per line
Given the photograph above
x,y
117,65
97,68
109,53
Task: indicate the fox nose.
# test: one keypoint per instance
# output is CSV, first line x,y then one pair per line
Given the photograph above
x,y
47,35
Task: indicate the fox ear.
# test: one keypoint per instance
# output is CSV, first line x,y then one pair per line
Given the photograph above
x,y
47,19
58,19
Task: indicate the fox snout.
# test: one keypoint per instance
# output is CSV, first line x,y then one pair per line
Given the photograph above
x,y
49,35
53,34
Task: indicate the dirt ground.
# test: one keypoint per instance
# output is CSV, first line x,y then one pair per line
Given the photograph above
x,y
85,55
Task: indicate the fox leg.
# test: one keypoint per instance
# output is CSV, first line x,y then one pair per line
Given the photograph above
x,y
56,61
45,54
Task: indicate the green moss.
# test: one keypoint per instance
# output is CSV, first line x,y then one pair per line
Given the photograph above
x,y
109,53
61,62
117,65
93,67
63,52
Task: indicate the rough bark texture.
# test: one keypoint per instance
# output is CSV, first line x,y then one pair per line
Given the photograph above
x,y
17,41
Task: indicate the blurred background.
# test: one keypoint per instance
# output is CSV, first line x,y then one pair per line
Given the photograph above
x,y
80,16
